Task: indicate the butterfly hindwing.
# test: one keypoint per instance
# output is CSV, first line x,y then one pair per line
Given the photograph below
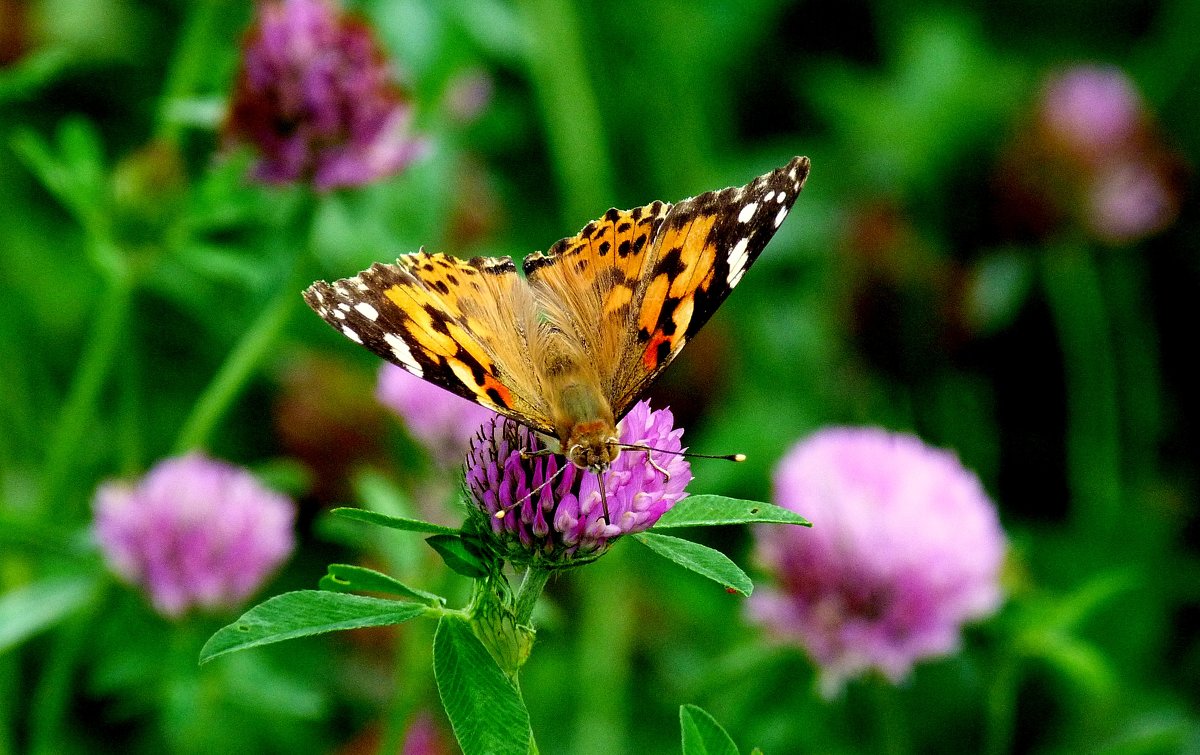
x,y
462,325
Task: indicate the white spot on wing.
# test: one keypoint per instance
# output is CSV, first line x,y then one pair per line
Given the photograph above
x,y
339,314
781,198
404,354
747,212
737,261
367,311
353,336
782,214
343,306
770,195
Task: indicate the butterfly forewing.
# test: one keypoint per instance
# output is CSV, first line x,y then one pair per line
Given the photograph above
x,y
463,325
699,254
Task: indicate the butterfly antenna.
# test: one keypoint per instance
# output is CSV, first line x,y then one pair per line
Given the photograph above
x,y
688,454
504,511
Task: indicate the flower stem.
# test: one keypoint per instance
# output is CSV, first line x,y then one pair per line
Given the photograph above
x,y
1072,286
1001,707
246,356
192,60
570,113
894,737
605,643
527,594
52,694
79,407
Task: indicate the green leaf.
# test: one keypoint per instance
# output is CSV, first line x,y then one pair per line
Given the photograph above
x,y
709,510
484,707
395,522
458,556
699,558
303,613
31,609
347,578
1079,662
24,77
40,159
702,735
380,494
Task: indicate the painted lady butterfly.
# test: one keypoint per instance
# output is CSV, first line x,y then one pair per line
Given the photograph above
x,y
568,348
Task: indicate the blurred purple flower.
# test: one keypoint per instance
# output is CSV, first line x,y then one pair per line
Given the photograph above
x,y
194,533
905,548
1091,109
424,737
442,422
468,94
1127,201
563,523
314,95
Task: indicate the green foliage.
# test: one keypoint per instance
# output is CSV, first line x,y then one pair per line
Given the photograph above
x,y
304,613
484,705
459,555
709,510
702,735
347,578
395,522
40,605
698,558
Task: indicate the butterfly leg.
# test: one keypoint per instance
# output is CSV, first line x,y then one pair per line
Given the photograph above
x,y
536,454
603,497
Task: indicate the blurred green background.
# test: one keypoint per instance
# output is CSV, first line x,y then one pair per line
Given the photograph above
x,y
940,274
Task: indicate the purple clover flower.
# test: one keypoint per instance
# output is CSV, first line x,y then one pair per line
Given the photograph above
x,y
314,95
442,422
1091,109
1128,200
424,737
905,548
563,522
194,533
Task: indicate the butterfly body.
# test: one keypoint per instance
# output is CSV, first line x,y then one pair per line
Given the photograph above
x,y
570,347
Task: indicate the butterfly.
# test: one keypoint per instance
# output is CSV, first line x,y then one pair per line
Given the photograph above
x,y
570,347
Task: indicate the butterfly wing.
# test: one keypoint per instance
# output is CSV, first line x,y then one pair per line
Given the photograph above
x,y
699,254
464,325
633,313
585,285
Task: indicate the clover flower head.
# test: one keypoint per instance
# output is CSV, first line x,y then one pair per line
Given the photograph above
x,y
194,532
1128,200
562,523
1091,109
905,548
314,95
441,421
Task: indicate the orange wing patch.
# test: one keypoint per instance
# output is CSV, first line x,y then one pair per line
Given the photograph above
x,y
462,325
587,283
701,251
